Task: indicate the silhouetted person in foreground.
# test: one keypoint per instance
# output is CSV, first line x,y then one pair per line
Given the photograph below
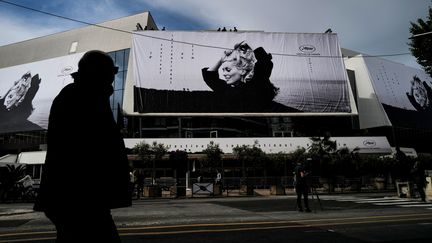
x,y
86,171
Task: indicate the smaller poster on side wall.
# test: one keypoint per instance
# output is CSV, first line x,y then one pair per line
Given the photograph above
x,y
404,92
28,90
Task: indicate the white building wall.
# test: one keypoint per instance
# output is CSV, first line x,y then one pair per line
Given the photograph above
x,y
87,38
371,112
269,145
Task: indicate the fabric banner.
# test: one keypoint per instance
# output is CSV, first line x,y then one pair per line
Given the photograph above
x,y
238,72
28,90
404,92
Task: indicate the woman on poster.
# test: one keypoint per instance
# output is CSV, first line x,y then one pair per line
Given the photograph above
x,y
17,104
244,82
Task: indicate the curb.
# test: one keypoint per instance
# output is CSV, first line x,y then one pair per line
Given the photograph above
x,y
16,212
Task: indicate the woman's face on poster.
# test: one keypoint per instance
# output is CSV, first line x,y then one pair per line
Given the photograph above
x,y
231,73
17,92
420,95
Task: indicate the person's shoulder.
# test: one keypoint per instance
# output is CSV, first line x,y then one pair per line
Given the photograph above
x,y
69,88
66,93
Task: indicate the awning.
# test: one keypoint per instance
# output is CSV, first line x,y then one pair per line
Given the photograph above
x,y
37,157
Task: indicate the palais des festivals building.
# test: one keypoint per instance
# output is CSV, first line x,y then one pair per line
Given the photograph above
x,y
160,94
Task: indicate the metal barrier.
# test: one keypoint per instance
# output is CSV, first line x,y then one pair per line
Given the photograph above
x,y
172,187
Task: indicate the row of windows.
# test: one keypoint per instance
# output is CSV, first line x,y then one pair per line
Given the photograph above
x,y
121,60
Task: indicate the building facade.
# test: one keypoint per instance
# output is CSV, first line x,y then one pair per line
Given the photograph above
x,y
119,38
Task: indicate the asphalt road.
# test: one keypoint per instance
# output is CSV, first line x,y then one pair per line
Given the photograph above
x,y
340,218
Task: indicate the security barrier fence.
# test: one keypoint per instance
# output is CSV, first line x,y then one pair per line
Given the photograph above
x,y
234,186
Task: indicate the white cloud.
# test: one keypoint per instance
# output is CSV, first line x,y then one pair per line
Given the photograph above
x,y
23,24
19,30
370,26
96,11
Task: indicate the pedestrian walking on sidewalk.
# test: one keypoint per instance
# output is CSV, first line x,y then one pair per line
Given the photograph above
x,y
86,171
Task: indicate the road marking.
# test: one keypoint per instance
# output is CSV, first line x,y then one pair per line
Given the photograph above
x,y
383,201
396,203
417,205
372,199
267,227
278,222
380,199
27,240
27,233
259,225
386,201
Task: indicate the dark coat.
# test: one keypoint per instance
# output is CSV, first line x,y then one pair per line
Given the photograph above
x,y
300,176
86,165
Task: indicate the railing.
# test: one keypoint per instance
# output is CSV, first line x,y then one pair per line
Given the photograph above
x,y
171,187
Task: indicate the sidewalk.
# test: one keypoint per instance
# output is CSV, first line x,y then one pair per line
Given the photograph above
x,y
10,209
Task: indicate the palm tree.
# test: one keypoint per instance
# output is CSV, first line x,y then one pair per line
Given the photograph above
x,y
8,182
421,42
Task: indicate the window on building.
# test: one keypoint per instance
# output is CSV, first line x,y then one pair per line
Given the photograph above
x,y
213,134
73,47
121,60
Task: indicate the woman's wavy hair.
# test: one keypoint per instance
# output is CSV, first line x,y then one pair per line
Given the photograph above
x,y
243,58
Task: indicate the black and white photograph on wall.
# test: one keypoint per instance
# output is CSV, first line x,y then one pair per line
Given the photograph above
x,y
404,92
240,81
27,92
17,104
239,73
420,95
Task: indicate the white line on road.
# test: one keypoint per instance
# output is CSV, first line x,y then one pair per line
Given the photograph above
x,y
383,201
418,205
396,203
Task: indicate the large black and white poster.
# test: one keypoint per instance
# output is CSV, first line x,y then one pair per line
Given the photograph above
x,y
27,92
238,72
404,92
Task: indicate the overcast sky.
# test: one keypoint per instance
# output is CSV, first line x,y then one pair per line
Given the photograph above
x,y
375,27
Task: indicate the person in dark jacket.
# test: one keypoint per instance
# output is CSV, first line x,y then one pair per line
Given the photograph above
x,y
86,171
419,177
244,82
301,187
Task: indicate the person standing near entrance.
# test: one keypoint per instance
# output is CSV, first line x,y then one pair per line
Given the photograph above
x,y
86,171
418,174
301,187
140,183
